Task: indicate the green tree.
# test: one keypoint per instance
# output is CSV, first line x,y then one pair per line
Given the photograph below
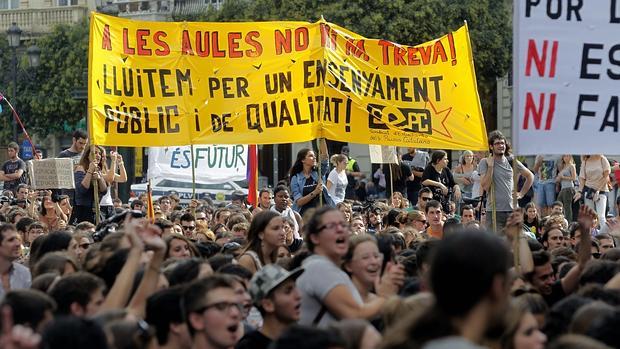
x,y
404,21
44,94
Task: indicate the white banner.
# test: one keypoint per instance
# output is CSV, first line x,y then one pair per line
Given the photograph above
x,y
566,77
383,154
51,173
213,163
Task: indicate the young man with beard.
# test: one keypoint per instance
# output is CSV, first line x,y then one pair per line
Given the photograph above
x,y
213,313
497,180
12,274
277,298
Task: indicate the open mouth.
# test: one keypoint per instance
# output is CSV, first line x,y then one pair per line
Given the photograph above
x,y
233,328
341,240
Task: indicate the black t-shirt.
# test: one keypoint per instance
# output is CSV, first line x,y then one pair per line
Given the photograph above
x,y
556,295
10,167
416,183
309,185
253,340
445,178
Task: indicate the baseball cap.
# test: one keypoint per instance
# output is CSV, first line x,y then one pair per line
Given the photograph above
x,y
268,278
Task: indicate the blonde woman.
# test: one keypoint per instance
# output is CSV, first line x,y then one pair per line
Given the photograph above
x,y
567,174
337,180
463,173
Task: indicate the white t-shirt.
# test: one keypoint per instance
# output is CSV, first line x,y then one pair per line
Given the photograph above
x,y
339,185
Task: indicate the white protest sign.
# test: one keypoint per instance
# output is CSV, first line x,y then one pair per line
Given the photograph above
x,y
213,163
566,77
383,154
51,173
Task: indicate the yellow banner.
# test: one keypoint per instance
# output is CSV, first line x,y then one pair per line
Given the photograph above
x,y
166,83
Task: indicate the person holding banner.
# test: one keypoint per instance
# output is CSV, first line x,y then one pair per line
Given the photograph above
x,y
110,176
497,179
305,182
593,177
86,172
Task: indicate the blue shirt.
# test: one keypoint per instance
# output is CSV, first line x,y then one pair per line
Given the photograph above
x,y
19,277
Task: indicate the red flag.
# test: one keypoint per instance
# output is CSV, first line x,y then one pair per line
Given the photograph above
x,y
252,174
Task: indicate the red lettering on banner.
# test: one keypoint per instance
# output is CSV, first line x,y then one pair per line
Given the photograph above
x,y
541,60
126,48
536,111
356,48
328,36
158,39
283,41
106,43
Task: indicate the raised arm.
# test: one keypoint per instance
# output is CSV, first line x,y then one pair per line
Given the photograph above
x,y
585,219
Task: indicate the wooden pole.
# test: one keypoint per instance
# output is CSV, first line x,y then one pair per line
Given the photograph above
x,y
515,205
319,171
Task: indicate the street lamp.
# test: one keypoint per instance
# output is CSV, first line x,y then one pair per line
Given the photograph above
x,y
14,34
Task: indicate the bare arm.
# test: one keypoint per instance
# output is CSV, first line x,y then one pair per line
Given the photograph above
x,y
16,175
585,219
121,289
148,284
487,178
529,180
340,302
323,149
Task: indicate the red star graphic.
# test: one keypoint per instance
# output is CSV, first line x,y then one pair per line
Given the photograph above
x,y
443,122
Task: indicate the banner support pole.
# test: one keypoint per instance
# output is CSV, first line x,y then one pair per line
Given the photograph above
x,y
191,147
319,171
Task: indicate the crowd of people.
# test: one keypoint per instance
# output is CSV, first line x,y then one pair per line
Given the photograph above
x,y
455,258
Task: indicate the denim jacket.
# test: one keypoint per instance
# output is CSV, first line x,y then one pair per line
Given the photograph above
x,y
298,181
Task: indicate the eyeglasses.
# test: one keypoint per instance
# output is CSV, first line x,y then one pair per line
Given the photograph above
x,y
334,225
221,306
188,227
426,198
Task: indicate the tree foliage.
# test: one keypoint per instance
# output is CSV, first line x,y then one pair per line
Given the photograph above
x,y
404,21
44,99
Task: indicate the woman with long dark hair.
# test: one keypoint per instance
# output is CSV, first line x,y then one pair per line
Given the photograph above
x,y
265,236
306,186
89,170
438,177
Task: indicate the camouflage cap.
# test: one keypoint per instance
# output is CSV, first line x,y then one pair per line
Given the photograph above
x,y
268,278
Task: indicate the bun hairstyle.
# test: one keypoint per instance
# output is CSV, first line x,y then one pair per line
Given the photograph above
x,y
337,158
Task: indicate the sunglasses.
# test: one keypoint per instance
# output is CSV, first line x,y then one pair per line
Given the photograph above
x,y
426,199
188,227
